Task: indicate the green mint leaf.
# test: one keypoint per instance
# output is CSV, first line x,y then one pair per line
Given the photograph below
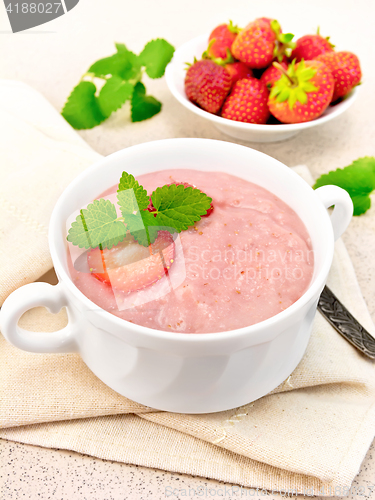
x,y
179,207
130,195
143,227
124,64
113,95
143,107
358,179
133,201
81,109
361,203
121,47
97,225
132,72
116,64
155,57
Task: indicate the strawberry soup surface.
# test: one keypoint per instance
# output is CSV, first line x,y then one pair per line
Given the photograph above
x,y
250,259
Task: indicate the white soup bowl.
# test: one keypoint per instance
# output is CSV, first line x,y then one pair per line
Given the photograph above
x,y
188,373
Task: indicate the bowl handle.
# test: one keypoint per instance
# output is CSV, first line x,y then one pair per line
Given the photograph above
x,y
25,298
343,211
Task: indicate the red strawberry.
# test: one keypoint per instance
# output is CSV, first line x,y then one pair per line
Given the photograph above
x,y
302,93
209,211
151,207
346,71
266,19
272,74
260,42
247,102
130,266
255,44
207,84
238,70
221,40
310,46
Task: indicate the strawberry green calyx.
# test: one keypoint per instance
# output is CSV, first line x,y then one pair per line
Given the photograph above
x,y
218,60
190,64
223,62
326,38
275,26
233,28
294,84
205,54
283,44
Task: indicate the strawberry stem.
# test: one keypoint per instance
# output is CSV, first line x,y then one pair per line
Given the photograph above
x,y
283,71
233,28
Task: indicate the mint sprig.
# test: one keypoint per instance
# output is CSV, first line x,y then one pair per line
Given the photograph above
x,y
97,225
358,179
113,80
175,208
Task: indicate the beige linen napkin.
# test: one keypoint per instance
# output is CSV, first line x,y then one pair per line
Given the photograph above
x,y
310,435
40,154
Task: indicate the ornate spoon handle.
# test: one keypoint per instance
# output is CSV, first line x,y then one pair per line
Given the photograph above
x,y
345,323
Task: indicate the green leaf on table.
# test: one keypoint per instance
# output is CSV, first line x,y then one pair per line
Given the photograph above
x,y
179,207
132,72
143,106
121,47
130,195
116,64
97,225
113,95
81,109
358,179
361,203
155,57
122,72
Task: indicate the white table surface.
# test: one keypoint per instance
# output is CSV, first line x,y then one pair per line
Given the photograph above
x,y
52,58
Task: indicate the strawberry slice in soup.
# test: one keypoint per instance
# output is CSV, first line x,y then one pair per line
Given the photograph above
x,y
130,266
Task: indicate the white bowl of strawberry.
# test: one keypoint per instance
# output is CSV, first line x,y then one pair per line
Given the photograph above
x,y
257,84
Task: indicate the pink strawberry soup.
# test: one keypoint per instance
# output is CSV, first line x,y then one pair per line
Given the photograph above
x,y
250,259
